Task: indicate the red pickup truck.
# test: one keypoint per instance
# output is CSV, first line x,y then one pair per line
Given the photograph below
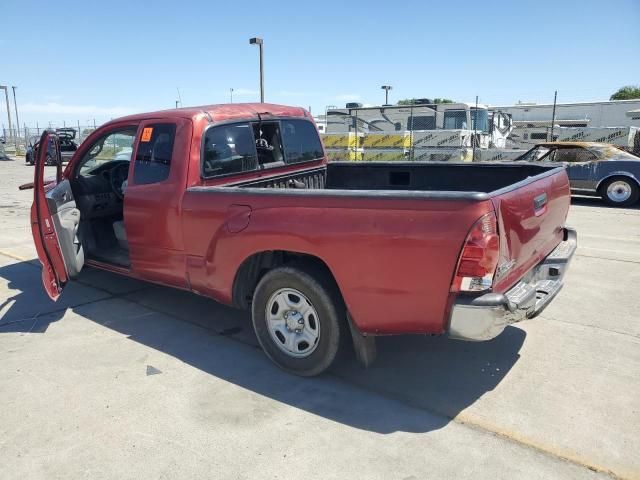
x,y
237,203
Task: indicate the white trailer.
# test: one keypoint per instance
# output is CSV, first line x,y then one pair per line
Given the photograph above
x,y
616,113
491,127
627,138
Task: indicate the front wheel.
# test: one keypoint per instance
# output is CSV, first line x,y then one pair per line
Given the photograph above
x,y
620,192
299,319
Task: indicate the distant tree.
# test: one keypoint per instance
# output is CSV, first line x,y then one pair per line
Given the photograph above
x,y
629,92
411,101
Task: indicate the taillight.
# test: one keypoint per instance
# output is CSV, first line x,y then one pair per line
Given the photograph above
x,y
479,257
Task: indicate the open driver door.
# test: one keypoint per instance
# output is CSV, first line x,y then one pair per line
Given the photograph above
x,y
55,220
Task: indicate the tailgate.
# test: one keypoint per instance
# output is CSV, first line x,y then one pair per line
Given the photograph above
x,y
531,215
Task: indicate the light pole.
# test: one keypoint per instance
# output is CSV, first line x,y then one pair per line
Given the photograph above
x,y
6,98
231,94
258,41
15,106
386,89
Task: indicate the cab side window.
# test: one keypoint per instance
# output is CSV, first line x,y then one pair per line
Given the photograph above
x,y
155,149
229,149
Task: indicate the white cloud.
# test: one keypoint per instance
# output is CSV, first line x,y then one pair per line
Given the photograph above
x,y
348,97
65,109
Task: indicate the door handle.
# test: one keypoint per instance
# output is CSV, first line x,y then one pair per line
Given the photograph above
x,y
540,202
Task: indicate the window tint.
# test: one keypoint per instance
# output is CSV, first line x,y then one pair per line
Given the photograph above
x,y
153,158
301,141
229,149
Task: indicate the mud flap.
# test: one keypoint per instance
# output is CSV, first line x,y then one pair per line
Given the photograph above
x,y
364,346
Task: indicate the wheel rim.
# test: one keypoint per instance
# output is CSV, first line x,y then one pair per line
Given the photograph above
x,y
293,322
619,191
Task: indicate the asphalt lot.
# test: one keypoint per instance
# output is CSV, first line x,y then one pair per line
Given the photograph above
x,y
121,379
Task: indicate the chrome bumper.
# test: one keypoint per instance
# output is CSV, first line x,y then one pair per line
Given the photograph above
x,y
485,317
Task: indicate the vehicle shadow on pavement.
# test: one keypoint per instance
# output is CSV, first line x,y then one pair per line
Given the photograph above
x,y
437,376
26,308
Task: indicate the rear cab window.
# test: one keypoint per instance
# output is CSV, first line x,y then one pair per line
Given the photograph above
x,y
155,150
240,147
301,141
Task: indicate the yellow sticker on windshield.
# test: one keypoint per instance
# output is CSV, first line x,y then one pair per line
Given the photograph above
x,y
146,134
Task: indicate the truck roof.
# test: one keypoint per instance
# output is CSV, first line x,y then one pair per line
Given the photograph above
x,y
222,112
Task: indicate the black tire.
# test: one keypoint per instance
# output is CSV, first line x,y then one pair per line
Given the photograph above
x,y
49,160
626,183
320,291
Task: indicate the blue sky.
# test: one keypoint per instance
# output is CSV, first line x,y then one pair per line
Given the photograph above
x,y
75,61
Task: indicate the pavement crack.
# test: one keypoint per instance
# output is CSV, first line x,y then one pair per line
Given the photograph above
x,y
470,422
607,258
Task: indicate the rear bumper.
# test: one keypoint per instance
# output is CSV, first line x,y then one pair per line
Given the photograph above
x,y
485,317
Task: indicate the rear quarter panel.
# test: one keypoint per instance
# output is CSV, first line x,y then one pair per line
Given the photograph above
x,y
393,259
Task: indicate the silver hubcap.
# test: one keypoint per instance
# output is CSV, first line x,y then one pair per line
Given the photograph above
x,y
619,191
293,322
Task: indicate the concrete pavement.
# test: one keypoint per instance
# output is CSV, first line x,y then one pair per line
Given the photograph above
x,y
121,379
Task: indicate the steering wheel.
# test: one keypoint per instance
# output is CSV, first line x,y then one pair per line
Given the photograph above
x,y
117,177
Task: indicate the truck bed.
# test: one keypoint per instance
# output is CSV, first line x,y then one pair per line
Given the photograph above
x,y
388,232
464,180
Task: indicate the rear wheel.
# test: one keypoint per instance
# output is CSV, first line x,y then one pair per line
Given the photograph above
x,y
620,192
299,319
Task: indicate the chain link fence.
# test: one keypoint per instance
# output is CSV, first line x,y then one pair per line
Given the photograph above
x,y
424,130
427,131
16,141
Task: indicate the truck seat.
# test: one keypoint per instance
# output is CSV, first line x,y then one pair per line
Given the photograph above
x,y
120,233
